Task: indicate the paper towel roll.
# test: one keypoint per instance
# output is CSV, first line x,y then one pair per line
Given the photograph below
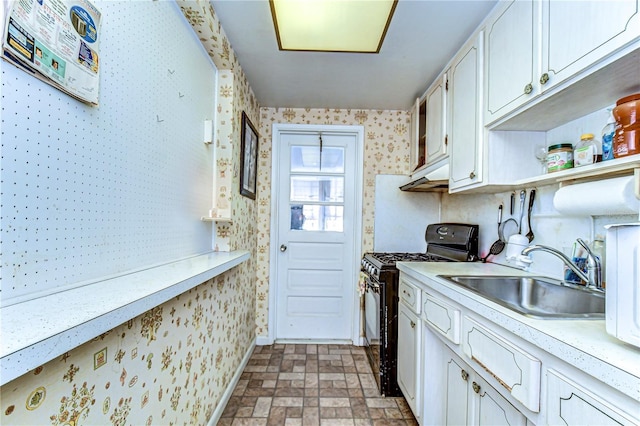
x,y
599,198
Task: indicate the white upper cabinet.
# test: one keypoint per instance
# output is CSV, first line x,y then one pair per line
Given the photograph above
x,y
418,153
534,45
465,117
511,57
436,120
577,34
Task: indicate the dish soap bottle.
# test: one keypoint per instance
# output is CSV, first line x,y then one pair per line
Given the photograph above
x,y
585,151
607,137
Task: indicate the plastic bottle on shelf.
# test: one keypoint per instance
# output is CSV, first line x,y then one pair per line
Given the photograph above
x,y
608,133
586,151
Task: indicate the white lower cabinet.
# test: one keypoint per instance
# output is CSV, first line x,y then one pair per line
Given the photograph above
x,y
515,369
572,404
409,346
470,400
459,368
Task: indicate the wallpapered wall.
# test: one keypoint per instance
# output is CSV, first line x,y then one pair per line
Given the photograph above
x,y
386,151
172,364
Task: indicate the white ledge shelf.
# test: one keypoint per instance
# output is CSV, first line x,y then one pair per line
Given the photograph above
x,y
39,330
602,170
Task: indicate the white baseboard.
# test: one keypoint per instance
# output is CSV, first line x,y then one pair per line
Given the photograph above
x,y
266,340
263,341
217,413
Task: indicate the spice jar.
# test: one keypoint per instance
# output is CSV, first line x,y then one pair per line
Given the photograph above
x,y
559,157
586,151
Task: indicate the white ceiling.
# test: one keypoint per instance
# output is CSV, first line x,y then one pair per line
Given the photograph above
x,y
423,36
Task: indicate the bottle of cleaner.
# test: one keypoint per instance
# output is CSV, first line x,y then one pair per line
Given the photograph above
x,y
607,137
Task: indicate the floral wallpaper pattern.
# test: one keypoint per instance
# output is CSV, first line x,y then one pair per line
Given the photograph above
x,y
386,151
172,364
169,365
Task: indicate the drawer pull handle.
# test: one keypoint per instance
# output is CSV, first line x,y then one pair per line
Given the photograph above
x,y
464,374
528,89
544,78
476,387
413,324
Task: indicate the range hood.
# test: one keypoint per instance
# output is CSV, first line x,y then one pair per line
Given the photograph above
x,y
433,178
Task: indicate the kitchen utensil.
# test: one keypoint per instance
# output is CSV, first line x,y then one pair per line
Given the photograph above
x,y
497,246
513,200
501,232
523,195
532,197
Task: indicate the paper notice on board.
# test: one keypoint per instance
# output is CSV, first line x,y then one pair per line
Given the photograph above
x,y
56,41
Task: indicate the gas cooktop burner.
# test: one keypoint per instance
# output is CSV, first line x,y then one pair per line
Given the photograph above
x,y
392,258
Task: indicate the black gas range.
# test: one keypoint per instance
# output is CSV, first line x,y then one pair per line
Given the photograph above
x,y
446,242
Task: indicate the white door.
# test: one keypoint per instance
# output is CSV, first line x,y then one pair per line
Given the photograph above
x,y
317,226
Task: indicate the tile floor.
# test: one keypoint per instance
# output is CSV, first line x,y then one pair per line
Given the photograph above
x,y
311,385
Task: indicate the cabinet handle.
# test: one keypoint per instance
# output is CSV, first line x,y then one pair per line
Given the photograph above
x,y
464,375
413,324
528,89
476,387
446,140
472,175
544,78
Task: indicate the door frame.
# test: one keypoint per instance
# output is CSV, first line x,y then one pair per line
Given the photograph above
x,y
277,130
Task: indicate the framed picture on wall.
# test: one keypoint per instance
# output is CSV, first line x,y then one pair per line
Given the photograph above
x,y
248,158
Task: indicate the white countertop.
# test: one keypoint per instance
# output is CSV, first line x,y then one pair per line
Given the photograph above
x,y
38,330
583,343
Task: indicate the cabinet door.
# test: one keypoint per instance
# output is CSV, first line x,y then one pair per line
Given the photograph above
x,y
408,356
490,408
436,117
577,34
572,405
511,58
465,138
413,143
456,401
418,154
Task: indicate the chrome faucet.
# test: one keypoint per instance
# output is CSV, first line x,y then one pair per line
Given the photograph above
x,y
593,277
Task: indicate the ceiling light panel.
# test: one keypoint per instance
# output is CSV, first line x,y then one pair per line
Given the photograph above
x,y
332,25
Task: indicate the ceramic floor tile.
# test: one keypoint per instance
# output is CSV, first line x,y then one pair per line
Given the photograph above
x,y
313,385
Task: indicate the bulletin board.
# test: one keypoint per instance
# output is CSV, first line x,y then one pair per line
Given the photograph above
x,y
93,192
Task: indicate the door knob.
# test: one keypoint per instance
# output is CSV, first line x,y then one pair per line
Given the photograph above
x,y
283,248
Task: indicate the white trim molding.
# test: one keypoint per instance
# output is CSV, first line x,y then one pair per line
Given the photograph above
x,y
277,129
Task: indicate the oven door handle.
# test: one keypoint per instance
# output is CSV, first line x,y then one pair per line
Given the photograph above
x,y
373,288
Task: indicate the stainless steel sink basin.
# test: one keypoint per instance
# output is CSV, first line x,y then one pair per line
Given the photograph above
x,y
535,297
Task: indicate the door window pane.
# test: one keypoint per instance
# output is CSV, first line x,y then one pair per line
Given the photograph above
x,y
309,217
308,159
317,188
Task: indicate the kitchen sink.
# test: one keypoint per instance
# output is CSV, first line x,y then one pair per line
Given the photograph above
x,y
535,296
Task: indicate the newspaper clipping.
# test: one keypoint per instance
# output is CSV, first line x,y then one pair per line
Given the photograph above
x,y
56,41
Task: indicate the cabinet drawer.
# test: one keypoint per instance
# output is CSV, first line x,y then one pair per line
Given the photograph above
x,y
514,369
570,404
442,317
410,295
